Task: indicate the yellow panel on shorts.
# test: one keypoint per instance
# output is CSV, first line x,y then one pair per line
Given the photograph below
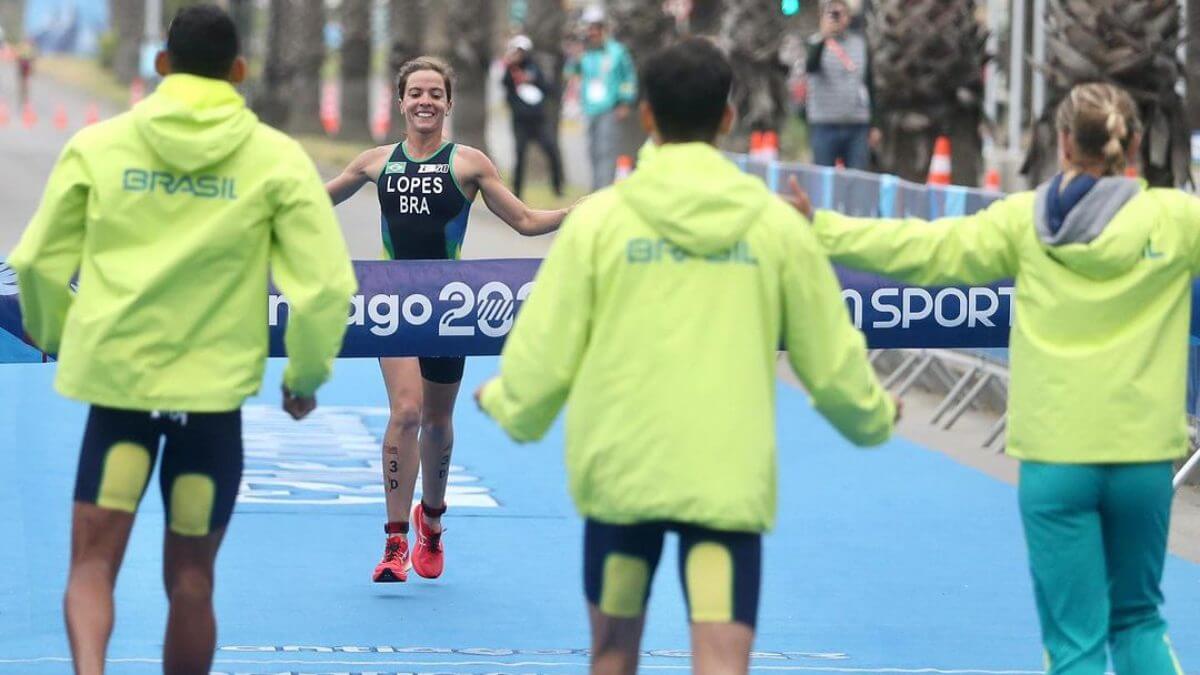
x,y
123,478
192,496
709,571
623,589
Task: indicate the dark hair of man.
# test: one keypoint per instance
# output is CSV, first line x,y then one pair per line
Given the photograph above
x,y
687,85
203,41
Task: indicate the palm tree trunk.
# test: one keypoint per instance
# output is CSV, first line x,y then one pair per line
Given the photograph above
x,y
356,70
306,50
242,12
128,20
1193,63
1130,43
470,55
437,28
270,95
753,31
642,27
928,58
406,30
546,22
706,17
502,23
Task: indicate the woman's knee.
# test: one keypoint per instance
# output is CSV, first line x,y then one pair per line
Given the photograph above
x,y
405,415
440,424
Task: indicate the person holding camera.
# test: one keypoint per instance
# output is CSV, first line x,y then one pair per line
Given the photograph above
x,y
840,104
526,88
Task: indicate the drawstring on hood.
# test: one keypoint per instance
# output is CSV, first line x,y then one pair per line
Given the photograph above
x,y
194,122
695,198
1087,228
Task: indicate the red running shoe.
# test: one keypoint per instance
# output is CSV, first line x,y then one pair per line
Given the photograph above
x,y
428,559
395,564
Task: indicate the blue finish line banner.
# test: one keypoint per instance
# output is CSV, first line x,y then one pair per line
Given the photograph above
x,y
426,307
467,308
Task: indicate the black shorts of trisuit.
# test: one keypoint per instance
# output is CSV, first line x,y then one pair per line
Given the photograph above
x,y
201,464
442,369
720,571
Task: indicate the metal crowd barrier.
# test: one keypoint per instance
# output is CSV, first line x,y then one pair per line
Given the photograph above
x,y
967,379
963,376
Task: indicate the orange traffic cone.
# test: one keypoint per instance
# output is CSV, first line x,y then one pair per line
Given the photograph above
x,y
330,123
330,116
381,121
137,90
624,167
4,114
60,117
939,166
756,144
28,117
770,147
991,180
91,114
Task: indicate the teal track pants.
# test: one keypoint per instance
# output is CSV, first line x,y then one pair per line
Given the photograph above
x,y
1097,537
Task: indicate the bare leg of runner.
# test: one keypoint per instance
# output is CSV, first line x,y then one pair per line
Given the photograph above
x,y
615,643
401,461
719,648
437,444
191,625
98,539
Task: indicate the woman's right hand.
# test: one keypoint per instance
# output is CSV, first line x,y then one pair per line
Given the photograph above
x,y
800,199
828,26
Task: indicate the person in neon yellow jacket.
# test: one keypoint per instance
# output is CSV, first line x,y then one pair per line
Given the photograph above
x,y
1098,352
173,214
657,315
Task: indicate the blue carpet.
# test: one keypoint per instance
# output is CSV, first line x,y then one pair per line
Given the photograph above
x,y
895,559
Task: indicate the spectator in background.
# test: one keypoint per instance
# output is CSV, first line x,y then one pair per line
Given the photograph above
x,y
526,88
25,56
840,106
609,90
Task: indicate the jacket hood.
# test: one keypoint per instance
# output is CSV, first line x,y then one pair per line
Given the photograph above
x,y
194,122
694,197
1093,235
